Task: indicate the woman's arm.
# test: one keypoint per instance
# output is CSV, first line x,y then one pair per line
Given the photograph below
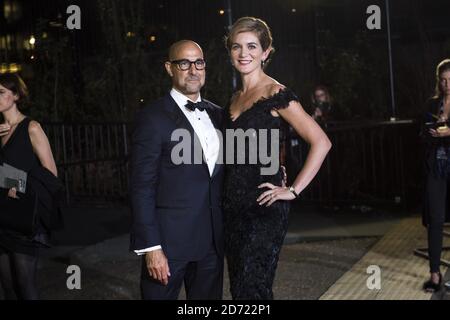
x,y
41,147
311,132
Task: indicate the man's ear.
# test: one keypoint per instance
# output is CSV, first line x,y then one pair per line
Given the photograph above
x,y
168,69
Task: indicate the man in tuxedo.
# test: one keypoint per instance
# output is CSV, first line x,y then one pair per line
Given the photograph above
x,y
176,208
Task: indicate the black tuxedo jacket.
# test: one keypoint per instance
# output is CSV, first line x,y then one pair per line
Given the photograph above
x,y
177,206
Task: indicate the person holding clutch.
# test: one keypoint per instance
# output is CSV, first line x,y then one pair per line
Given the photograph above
x,y
436,134
23,231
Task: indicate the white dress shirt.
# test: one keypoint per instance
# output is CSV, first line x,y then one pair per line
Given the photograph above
x,y
206,133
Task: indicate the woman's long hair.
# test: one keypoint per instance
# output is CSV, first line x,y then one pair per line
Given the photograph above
x,y
442,67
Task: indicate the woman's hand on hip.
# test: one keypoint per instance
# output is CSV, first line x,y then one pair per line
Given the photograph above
x,y
273,194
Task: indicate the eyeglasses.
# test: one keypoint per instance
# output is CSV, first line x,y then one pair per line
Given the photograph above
x,y
185,64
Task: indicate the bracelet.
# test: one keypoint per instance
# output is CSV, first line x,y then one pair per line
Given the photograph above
x,y
291,189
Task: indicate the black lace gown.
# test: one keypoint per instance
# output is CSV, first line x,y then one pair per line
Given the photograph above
x,y
254,234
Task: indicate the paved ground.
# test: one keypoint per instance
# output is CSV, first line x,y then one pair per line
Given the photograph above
x,y
322,244
306,270
400,274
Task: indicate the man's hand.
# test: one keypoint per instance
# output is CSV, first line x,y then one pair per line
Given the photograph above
x,y
157,266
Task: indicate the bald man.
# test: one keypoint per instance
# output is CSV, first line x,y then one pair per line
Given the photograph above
x,y
176,207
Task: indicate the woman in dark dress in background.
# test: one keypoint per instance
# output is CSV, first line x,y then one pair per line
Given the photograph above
x,y
437,170
24,146
255,204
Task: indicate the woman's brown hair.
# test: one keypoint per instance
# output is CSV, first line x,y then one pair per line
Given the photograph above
x,y
252,24
14,82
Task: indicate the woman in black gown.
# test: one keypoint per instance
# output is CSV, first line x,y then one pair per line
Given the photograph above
x,y
24,146
256,204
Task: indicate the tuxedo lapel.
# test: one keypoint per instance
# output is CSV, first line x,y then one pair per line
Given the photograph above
x,y
181,121
216,169
214,115
177,115
216,118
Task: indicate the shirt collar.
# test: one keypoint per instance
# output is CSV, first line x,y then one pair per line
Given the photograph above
x,y
181,99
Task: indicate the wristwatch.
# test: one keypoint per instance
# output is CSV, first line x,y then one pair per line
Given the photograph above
x,y
291,189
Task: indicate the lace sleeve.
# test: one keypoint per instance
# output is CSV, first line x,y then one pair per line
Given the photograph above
x,y
281,99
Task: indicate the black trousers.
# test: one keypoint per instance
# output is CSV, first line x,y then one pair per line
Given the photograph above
x,y
203,280
436,192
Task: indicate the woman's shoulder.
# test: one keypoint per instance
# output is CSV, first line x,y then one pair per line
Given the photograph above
x,y
279,95
35,131
274,88
433,102
34,127
432,105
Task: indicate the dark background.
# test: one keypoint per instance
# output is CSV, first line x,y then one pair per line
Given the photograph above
x,y
87,84
108,68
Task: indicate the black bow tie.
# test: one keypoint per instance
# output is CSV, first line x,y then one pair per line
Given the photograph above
x,y
201,105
